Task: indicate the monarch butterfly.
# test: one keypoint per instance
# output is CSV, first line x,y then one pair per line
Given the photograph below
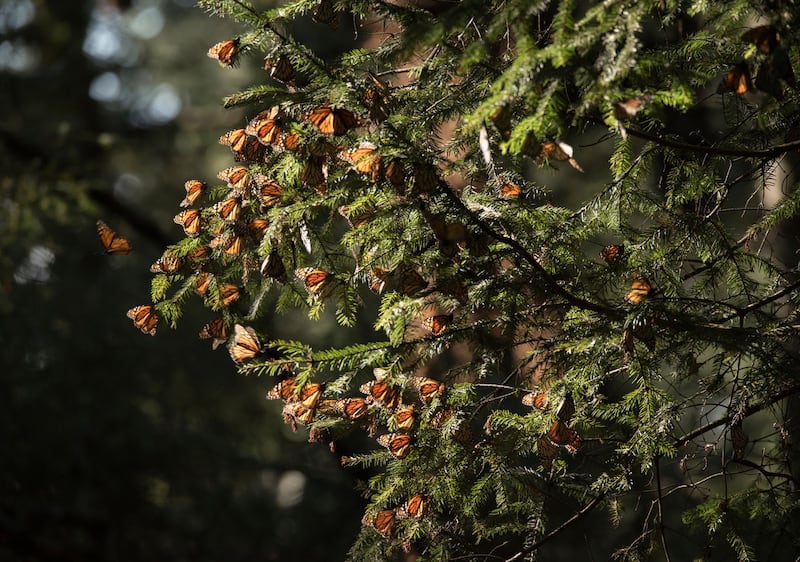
x,y
258,227
352,408
365,160
228,209
426,180
417,507
377,99
403,418
547,451
283,390
112,242
237,178
235,139
202,282
265,126
280,69
190,221
739,440
231,243
273,267
377,278
395,172
315,173
331,120
625,109
557,150
294,412
399,444
381,393
510,190
245,345
145,318
428,388
197,256
736,80
438,323
764,37
269,191
382,522
612,254
229,294
642,330
316,281
216,329
194,190
564,436
309,395
441,417
168,263
536,399
640,289
225,52
411,283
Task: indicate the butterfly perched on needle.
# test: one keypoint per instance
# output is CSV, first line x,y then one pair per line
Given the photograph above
x,y
417,507
352,408
245,344
226,52
536,399
403,418
190,221
399,444
145,318
168,263
381,393
315,281
237,178
113,243
563,435
640,290
428,388
332,120
383,522
194,190
437,323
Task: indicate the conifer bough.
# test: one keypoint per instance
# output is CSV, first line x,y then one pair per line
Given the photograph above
x,y
574,217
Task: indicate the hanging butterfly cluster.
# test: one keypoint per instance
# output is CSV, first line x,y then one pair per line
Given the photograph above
x,y
242,236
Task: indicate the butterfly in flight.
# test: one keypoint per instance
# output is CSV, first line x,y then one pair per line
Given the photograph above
x,y
112,242
145,318
245,344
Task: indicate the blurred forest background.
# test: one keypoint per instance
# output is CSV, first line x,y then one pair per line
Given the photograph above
x,y
116,445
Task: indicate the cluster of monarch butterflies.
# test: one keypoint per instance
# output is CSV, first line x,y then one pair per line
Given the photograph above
x,y
561,433
770,64
234,225
381,400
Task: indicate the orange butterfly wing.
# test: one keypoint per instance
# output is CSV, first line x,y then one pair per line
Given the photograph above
x,y
216,329
245,344
194,190
314,280
112,242
399,444
640,290
145,318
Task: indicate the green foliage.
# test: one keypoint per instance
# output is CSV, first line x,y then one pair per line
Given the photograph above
x,y
420,166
